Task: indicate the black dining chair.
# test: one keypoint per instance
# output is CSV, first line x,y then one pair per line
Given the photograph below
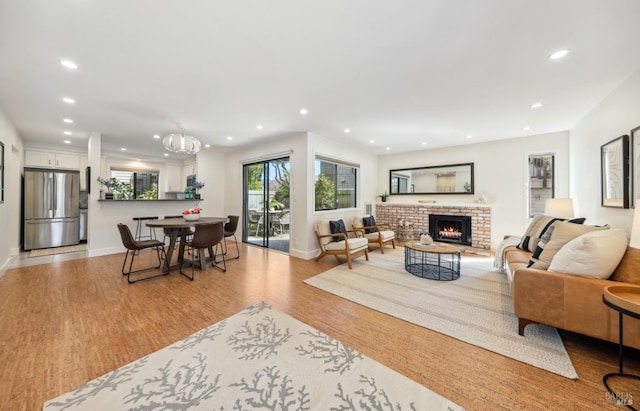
x,y
133,249
230,228
206,237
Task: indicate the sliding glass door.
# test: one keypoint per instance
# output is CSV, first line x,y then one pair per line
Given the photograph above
x,y
266,217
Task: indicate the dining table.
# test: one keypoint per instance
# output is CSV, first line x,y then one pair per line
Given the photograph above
x,y
179,228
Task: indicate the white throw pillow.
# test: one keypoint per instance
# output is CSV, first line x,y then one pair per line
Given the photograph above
x,y
594,254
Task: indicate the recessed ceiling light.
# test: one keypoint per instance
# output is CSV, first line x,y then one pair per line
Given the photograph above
x,y
388,148
304,111
372,141
157,137
166,154
526,128
229,138
68,121
68,100
424,143
259,126
559,54
469,136
69,64
536,105
123,149
207,145
68,133
67,141
346,130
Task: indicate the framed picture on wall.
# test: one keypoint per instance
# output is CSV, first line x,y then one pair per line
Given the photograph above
x,y
614,163
635,165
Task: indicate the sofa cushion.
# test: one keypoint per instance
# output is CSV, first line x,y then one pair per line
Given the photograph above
x,y
594,254
563,232
628,270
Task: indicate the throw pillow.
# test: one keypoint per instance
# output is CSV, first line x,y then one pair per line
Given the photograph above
x,y
563,232
538,226
594,254
544,239
368,222
336,227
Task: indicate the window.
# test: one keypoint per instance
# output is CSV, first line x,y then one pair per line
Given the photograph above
x,y
139,185
336,184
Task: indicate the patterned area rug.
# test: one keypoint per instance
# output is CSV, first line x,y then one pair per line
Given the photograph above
x,y
259,358
476,308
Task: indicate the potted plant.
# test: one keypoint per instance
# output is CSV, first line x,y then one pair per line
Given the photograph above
x,y
111,184
383,197
275,204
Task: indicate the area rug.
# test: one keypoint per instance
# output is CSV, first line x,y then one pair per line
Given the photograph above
x,y
476,308
259,358
58,250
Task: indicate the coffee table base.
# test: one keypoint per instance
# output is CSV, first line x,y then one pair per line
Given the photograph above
x,y
432,265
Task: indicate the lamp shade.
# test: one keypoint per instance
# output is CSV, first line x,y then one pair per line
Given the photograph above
x,y
559,207
181,143
635,227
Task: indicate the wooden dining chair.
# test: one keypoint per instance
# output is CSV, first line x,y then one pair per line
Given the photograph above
x,y
133,249
206,237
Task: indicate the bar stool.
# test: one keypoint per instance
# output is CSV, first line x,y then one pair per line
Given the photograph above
x,y
152,233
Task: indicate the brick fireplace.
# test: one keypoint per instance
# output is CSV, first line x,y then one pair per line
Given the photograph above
x,y
410,220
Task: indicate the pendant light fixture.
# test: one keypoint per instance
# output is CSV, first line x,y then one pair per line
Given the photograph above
x,y
181,143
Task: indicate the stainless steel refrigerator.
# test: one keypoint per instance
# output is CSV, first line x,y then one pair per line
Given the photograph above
x,y
51,208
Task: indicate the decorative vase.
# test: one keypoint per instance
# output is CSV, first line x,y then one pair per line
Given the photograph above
x,y
191,217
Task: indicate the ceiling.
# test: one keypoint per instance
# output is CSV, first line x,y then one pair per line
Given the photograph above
x,y
400,75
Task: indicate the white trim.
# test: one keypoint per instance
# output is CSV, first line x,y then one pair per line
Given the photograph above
x,y
267,157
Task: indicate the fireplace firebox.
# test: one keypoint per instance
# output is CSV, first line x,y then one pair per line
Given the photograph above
x,y
450,228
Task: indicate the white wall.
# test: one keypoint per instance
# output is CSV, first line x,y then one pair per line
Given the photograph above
x,y
303,148
500,169
10,209
614,116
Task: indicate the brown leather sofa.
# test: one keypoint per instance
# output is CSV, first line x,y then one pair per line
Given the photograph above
x,y
571,302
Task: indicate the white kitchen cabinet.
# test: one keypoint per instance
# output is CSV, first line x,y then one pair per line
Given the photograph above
x,y
174,179
51,160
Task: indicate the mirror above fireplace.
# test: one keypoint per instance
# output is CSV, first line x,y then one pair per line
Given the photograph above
x,y
445,179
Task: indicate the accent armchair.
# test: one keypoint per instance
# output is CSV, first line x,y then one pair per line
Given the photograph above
x,y
380,234
339,244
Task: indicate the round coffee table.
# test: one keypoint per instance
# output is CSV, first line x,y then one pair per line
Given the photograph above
x,y
437,261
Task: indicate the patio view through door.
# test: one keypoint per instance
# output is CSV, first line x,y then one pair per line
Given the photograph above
x,y
266,218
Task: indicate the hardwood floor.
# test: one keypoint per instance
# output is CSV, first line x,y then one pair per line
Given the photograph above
x,y
65,323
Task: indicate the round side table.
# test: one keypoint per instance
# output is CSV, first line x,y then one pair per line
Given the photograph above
x,y
625,299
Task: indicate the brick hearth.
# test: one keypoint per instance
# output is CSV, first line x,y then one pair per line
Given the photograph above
x,y
417,218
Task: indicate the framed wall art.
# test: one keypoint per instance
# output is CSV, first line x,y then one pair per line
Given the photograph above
x,y
614,163
635,165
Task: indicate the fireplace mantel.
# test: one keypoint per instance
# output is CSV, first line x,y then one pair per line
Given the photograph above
x,y
408,220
